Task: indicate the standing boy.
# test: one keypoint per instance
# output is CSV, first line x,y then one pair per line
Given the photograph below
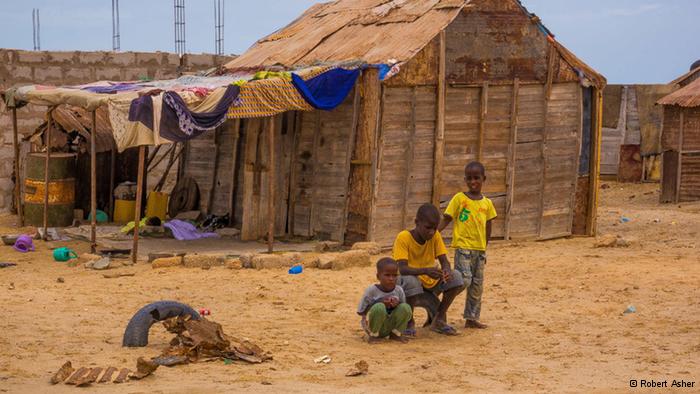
x,y
472,213
416,251
383,305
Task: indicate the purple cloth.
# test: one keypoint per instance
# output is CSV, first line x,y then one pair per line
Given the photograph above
x,y
113,88
178,123
24,244
186,231
141,110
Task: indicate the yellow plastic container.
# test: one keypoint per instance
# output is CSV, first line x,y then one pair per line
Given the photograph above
x,y
157,205
124,211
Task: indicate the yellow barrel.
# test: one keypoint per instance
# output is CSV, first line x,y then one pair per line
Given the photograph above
x,y
124,211
61,189
157,205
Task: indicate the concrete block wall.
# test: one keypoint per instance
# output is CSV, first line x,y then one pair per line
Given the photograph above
x,y
18,67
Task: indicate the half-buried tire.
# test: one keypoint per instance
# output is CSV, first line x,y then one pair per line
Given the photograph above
x,y
136,333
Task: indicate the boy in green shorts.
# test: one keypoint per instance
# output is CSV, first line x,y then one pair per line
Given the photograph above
x,y
383,306
472,213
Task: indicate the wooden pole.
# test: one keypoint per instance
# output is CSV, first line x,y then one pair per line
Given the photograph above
x,y
271,186
574,175
594,175
234,166
314,179
152,156
215,172
408,161
112,180
18,178
293,171
483,110
377,166
512,150
543,147
439,147
352,141
93,184
679,173
46,172
137,210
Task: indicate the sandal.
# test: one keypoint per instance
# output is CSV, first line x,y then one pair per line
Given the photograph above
x,y
409,332
445,330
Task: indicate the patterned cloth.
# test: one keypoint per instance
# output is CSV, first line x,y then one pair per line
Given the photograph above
x,y
267,97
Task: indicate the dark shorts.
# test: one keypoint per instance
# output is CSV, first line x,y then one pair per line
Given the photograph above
x,y
412,286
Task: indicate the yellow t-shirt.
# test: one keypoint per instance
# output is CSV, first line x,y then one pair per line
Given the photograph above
x,y
419,256
469,219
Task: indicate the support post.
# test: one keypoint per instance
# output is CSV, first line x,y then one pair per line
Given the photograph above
x,y
47,158
112,179
543,150
439,146
271,186
215,172
234,161
137,209
408,161
512,150
352,141
18,178
679,173
93,184
596,144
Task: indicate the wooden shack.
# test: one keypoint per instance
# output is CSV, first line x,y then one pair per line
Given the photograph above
x,y
681,143
479,80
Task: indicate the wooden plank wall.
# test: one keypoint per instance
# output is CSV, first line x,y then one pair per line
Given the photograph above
x,y
539,195
199,164
690,156
405,167
462,129
321,171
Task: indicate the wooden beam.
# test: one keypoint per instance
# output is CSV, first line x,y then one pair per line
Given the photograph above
x,y
512,149
271,186
137,209
93,183
439,145
18,177
234,166
173,158
249,225
47,158
574,175
293,170
215,172
408,160
596,143
112,179
352,141
551,58
315,171
170,150
679,172
152,156
364,157
483,110
378,158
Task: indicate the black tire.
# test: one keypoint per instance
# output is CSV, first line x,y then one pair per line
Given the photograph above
x,y
136,333
430,302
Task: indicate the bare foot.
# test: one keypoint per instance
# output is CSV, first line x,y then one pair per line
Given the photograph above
x,y
474,324
395,337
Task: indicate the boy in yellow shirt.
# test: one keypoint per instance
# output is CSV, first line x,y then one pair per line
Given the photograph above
x,y
472,213
416,251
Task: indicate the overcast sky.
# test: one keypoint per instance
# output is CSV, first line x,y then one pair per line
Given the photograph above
x,y
629,41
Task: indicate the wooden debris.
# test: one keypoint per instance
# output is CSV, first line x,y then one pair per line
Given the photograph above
x,y
90,378
63,373
143,368
118,275
107,377
123,376
78,376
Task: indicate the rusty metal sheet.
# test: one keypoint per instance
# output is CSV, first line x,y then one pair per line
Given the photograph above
x,y
630,169
688,96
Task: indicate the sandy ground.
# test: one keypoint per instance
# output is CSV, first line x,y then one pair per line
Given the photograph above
x,y
555,310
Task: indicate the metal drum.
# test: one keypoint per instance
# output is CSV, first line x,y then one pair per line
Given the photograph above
x,y
61,189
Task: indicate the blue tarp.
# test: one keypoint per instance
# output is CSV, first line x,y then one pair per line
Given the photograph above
x,y
328,90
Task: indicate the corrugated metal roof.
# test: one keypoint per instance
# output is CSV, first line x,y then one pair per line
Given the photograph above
x,y
694,73
371,31
689,96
